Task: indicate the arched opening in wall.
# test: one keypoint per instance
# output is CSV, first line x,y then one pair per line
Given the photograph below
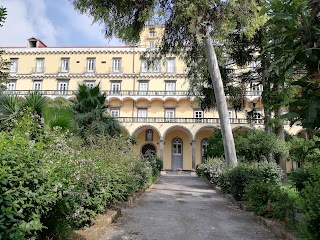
x,y
177,156
148,149
204,147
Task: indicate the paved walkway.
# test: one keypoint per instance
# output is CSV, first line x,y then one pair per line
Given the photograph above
x,y
182,207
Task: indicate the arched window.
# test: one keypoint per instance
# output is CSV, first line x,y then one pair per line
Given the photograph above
x,y
149,135
204,147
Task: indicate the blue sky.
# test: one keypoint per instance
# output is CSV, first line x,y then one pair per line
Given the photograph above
x,y
55,22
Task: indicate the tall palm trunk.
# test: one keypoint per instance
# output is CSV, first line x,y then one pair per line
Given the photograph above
x,y
280,132
221,101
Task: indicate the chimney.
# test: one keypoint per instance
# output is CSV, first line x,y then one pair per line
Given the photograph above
x,y
36,43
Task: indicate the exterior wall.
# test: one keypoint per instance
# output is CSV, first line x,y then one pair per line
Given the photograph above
x,y
129,99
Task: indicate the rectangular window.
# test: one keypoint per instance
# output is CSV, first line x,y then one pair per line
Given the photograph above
x,y
198,114
142,114
91,65
11,86
65,65
230,115
63,87
116,65
171,65
156,66
152,44
115,87
169,114
115,112
170,88
14,65
257,117
39,65
152,33
37,85
143,88
90,84
256,89
144,66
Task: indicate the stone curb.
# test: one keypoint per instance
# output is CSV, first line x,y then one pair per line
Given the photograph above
x,y
102,221
270,225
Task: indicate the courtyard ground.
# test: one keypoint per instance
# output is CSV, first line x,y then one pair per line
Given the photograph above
x,y
183,207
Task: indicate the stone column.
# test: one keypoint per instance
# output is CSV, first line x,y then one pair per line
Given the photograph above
x,y
193,147
161,148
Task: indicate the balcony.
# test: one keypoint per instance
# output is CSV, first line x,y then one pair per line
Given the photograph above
x,y
47,93
190,120
145,93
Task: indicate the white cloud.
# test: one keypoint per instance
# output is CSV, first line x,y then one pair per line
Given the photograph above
x,y
83,24
55,22
26,19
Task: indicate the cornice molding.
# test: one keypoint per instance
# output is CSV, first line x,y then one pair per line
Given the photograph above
x,y
43,51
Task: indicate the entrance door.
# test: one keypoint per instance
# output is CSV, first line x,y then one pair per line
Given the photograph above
x,y
149,148
177,157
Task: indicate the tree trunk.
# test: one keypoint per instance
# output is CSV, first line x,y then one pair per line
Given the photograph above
x,y
280,133
221,101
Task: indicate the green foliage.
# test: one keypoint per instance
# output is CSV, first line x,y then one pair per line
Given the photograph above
x,y
273,201
56,115
212,169
50,182
3,15
304,150
294,39
235,180
311,205
155,163
257,144
10,104
215,145
35,101
299,178
90,113
26,189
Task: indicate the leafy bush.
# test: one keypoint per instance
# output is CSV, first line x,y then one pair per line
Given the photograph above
x,y
311,204
273,201
26,189
50,182
299,178
304,150
212,169
257,144
235,180
215,145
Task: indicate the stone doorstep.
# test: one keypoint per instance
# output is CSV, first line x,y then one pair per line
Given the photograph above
x,y
102,221
270,225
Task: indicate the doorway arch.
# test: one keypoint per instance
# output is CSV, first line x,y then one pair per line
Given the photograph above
x,y
149,147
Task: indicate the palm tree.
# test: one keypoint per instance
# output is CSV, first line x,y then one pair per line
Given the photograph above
x,y
90,113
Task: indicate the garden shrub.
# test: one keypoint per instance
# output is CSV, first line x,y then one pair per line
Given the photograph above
x,y
215,145
299,178
273,201
311,204
235,180
212,169
257,144
50,182
26,189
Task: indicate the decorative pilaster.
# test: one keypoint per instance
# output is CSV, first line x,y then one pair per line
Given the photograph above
x,y
161,148
193,147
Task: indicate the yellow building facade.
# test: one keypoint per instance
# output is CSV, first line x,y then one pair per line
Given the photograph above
x,y
151,103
